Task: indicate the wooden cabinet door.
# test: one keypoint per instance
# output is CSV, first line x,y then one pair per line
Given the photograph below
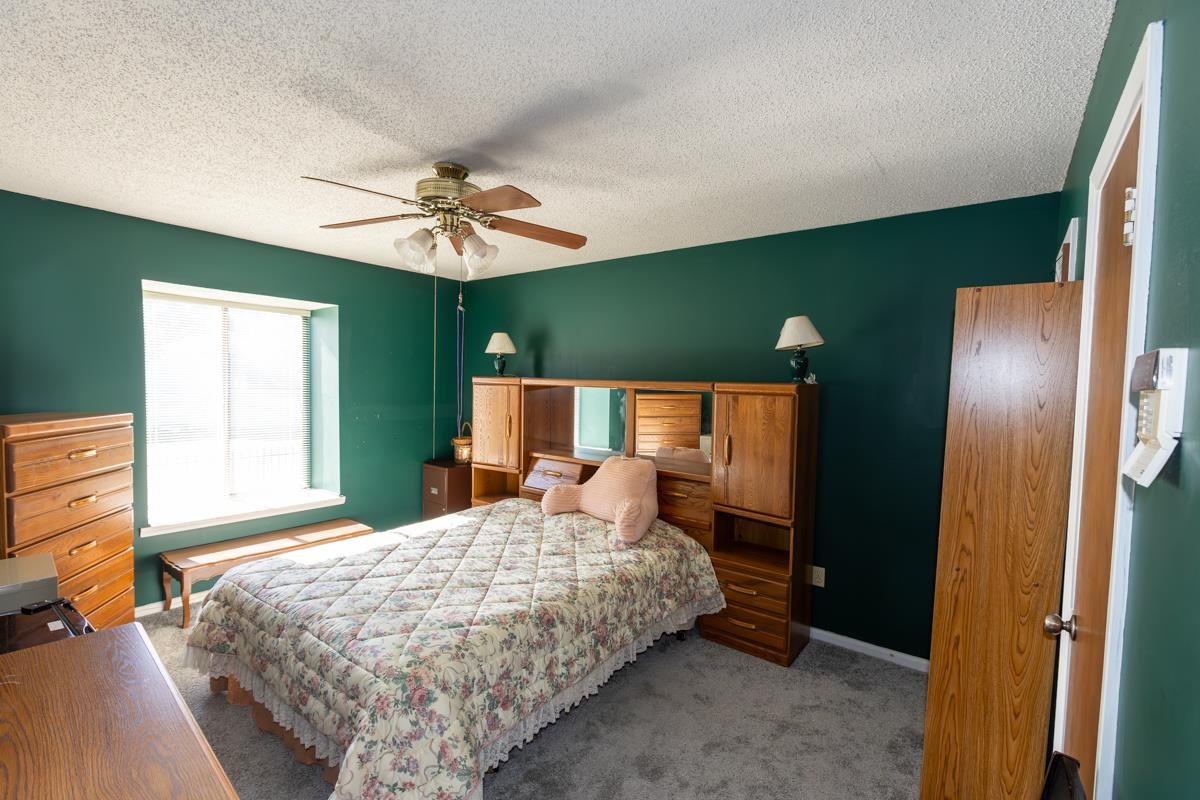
x,y
489,424
754,443
1000,547
512,426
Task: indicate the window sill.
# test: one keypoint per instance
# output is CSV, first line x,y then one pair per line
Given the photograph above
x,y
314,498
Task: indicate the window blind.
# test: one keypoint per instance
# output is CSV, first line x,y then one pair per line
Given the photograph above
x,y
227,406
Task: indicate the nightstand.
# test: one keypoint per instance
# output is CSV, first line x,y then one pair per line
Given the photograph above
x,y
445,487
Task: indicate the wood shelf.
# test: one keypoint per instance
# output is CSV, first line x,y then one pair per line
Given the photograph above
x,y
488,499
753,556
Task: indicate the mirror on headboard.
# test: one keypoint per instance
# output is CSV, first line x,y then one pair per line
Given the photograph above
x,y
599,419
674,428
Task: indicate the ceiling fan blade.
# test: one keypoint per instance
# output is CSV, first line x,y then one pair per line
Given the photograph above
x,y
456,242
373,220
502,198
539,232
360,189
466,228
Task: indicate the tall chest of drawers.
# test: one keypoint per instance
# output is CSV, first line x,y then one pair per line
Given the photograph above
x,y
68,491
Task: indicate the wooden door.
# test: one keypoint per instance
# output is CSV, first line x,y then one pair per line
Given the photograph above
x,y
1106,392
1000,549
512,426
489,428
754,438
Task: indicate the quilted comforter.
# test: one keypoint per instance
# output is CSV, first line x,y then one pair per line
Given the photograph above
x,y
417,658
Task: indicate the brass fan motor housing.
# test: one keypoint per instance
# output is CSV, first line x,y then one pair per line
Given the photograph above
x,y
449,184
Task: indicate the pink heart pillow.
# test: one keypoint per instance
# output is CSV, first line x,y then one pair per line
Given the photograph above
x,y
624,491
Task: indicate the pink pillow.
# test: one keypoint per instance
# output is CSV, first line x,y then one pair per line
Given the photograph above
x,y
561,497
623,491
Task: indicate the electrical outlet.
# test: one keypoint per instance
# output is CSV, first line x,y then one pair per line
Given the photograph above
x,y
817,577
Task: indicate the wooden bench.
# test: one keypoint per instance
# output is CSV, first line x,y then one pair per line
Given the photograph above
x,y
210,560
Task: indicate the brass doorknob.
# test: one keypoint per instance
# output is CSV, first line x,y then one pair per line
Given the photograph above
x,y
1054,625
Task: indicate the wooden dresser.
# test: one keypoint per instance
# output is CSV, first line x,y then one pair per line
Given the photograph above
x,y
68,491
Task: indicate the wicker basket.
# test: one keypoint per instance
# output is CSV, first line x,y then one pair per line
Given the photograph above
x,y
462,445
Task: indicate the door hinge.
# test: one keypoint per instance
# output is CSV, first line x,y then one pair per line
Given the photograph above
x,y
1130,216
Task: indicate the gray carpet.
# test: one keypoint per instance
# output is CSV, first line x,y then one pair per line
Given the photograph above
x,y
688,719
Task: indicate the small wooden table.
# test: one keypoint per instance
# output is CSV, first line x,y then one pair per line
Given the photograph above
x,y
98,716
210,560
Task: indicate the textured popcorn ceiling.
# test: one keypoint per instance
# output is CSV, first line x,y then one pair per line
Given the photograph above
x,y
645,126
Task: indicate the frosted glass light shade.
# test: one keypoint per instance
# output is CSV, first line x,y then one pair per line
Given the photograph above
x,y
418,251
500,344
798,332
478,254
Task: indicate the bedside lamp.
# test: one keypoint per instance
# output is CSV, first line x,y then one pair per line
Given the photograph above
x,y
499,346
798,333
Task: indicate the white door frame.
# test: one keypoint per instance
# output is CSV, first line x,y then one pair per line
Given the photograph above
x,y
1143,93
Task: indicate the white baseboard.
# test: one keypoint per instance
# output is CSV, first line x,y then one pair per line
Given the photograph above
x,y
155,607
873,650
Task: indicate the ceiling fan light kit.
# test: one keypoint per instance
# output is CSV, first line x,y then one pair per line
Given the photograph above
x,y
455,203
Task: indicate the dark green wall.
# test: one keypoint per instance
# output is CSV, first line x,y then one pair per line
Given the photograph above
x,y
1159,720
71,340
882,295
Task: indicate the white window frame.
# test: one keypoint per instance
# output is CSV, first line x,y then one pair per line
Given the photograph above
x,y
302,500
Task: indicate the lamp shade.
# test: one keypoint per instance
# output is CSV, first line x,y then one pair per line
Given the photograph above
x,y
479,254
418,250
500,344
797,332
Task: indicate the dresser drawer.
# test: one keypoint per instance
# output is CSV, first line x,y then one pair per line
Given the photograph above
x,y
677,426
738,622
547,472
88,544
115,612
648,443
98,584
668,405
44,462
753,592
685,503
39,514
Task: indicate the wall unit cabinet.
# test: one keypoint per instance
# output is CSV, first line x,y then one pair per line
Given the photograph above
x,y
751,507
68,491
496,439
763,477
496,429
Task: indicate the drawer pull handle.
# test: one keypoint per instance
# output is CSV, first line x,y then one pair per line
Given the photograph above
x,y
728,449
74,551
665,422
85,593
668,408
508,426
83,501
747,625
670,493
82,453
741,590
552,473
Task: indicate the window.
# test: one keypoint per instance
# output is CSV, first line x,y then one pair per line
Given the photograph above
x,y
228,408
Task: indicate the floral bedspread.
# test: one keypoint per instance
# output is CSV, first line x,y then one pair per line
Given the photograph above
x,y
419,657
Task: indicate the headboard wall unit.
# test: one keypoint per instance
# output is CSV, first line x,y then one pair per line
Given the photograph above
x,y
736,471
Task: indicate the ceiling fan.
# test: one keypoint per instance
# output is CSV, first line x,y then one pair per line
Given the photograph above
x,y
455,203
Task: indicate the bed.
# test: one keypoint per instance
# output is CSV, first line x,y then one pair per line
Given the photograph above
x,y
416,659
